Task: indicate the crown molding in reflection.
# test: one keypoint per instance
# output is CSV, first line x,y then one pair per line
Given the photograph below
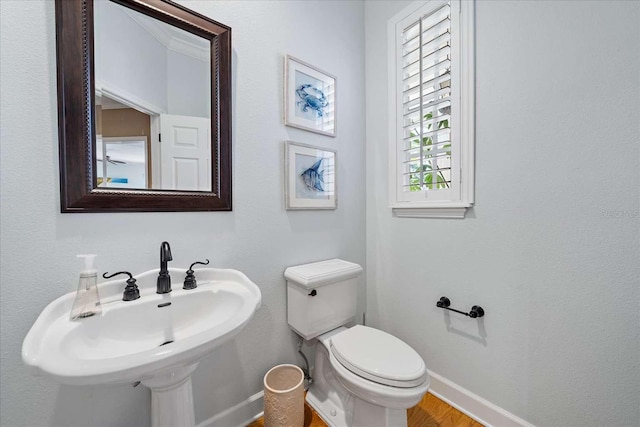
x,y
173,39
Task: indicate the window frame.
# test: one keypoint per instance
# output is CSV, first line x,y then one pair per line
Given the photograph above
x,y
424,204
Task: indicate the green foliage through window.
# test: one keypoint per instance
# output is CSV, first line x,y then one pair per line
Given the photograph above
x,y
425,167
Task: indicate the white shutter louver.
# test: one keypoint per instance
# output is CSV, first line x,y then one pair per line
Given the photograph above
x,y
426,102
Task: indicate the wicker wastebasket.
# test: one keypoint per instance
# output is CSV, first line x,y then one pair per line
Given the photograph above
x,y
284,397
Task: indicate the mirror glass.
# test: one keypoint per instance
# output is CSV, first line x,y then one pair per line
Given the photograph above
x,y
152,103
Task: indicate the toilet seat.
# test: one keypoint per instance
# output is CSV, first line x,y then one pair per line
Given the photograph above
x,y
379,357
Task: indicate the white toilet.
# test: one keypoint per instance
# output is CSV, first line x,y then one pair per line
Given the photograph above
x,y
363,377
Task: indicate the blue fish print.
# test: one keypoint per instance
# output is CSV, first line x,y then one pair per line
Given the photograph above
x,y
312,177
311,98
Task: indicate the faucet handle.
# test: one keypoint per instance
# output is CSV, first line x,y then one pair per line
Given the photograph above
x,y
190,280
131,291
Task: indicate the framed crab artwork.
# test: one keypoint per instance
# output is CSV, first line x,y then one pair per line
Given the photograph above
x,y
309,98
310,177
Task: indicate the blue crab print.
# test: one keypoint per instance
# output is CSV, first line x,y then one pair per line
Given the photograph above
x,y
312,177
311,98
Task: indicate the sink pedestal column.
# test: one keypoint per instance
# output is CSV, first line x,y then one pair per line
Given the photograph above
x,y
172,398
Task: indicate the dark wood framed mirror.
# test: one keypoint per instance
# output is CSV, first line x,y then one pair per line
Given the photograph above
x,y
93,97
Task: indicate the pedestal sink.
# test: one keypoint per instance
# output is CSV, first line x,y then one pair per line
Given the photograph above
x,y
156,339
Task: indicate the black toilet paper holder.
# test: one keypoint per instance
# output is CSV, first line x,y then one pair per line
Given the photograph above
x,y
476,310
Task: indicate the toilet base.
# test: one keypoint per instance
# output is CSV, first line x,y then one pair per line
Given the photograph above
x,y
330,411
357,412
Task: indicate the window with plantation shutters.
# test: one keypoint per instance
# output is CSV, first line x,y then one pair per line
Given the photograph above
x,y
431,109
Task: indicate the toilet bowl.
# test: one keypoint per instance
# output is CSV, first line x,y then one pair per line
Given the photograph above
x,y
343,397
363,377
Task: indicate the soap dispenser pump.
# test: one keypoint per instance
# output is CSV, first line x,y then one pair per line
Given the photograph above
x,y
87,302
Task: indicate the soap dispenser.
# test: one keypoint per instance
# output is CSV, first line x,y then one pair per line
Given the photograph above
x,y
87,302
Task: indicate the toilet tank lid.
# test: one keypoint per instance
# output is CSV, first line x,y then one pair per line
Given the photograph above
x,y
322,273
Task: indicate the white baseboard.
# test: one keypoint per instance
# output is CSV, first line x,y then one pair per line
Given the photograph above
x,y
239,415
473,405
460,398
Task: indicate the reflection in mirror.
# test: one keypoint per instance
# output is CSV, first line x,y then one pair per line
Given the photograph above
x,y
152,103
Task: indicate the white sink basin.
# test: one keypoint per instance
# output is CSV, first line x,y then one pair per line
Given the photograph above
x,y
124,344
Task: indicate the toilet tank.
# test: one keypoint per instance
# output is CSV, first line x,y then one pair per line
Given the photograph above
x,y
321,296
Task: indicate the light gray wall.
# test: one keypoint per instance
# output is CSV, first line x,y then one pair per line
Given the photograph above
x,y
551,248
129,58
188,85
259,237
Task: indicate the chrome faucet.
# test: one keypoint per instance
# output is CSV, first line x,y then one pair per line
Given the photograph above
x,y
164,280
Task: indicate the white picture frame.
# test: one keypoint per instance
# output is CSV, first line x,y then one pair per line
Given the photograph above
x,y
310,177
309,98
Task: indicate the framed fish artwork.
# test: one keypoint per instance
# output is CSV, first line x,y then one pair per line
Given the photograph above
x,y
309,97
310,177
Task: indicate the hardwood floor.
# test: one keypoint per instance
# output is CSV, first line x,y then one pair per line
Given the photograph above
x,y
433,412
430,412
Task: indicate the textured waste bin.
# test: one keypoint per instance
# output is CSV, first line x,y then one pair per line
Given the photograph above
x,y
284,397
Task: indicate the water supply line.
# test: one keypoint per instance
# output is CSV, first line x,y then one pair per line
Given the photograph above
x,y
305,369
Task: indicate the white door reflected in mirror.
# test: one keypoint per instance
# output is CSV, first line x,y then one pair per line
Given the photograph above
x,y
185,153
